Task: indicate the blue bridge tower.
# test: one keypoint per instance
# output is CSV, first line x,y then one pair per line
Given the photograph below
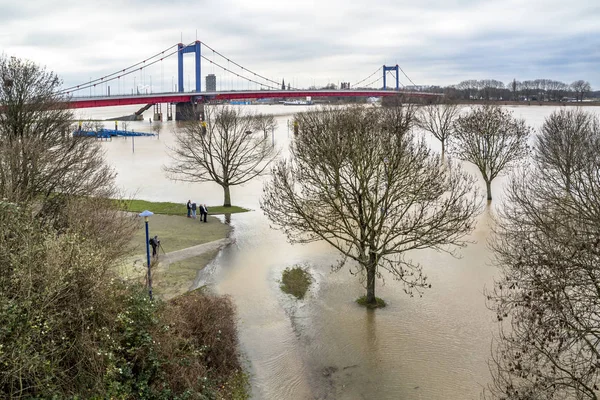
x,y
393,68
182,49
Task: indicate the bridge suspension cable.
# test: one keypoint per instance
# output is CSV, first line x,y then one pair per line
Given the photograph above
x,y
372,82
238,75
238,65
399,81
122,72
91,84
414,84
154,59
368,77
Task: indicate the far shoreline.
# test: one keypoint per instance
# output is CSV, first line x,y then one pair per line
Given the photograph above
x,y
528,103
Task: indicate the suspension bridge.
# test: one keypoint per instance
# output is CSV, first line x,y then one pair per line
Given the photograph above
x,y
187,101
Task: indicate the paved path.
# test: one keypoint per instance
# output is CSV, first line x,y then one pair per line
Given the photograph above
x,y
165,259
175,256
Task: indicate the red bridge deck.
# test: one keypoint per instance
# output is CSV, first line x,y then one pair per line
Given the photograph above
x,y
124,100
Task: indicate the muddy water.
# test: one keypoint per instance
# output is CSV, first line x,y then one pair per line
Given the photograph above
x,y
326,347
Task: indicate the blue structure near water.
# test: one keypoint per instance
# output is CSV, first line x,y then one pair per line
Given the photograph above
x,y
240,102
108,133
395,69
181,50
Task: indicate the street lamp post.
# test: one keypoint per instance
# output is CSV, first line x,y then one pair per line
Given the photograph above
x,y
146,214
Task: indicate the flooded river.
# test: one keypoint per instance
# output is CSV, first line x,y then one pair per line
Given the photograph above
x,y
326,346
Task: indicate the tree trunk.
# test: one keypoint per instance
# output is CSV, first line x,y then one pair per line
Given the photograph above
x,y
227,201
488,186
443,148
371,268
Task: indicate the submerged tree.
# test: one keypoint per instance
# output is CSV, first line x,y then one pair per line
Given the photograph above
x,y
227,154
547,300
564,143
265,123
492,139
438,119
358,180
39,158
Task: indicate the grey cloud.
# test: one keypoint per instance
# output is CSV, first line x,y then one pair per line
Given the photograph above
x,y
434,41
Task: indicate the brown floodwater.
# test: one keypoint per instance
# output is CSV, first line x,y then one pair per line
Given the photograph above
x,y
325,346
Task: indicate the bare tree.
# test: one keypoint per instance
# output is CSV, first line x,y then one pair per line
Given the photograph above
x,y
563,143
581,88
265,123
514,87
547,299
39,158
492,139
227,154
358,180
438,119
90,125
157,127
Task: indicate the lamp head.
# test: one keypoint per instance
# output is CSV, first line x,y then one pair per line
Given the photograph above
x,y
146,214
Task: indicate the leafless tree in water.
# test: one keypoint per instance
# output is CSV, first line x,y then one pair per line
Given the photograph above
x,y
492,139
564,143
547,245
438,119
265,123
228,154
359,180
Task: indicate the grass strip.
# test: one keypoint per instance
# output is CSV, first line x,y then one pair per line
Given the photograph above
x,y
168,208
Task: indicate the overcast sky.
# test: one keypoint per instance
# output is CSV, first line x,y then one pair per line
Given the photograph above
x,y
312,42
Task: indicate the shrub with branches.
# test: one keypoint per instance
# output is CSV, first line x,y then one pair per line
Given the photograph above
x,y
547,245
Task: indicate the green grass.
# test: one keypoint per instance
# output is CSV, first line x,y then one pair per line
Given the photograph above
x,y
295,281
379,303
178,232
176,278
168,208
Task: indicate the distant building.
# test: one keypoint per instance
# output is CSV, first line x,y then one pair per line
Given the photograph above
x,y
211,83
345,85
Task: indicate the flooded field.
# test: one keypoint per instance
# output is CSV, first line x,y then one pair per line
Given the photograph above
x,y
325,346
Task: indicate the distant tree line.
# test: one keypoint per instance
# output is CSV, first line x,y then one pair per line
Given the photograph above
x,y
530,90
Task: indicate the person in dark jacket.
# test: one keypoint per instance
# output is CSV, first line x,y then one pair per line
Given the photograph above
x,y
203,212
194,210
189,209
154,242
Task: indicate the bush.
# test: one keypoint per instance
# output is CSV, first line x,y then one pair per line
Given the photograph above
x,y
69,329
200,346
54,295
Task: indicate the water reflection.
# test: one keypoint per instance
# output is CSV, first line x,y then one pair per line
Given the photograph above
x,y
326,346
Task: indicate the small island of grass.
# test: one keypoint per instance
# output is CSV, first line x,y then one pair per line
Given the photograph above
x,y
295,281
379,303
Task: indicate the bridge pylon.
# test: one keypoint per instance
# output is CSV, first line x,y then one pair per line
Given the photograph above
x,y
395,68
182,49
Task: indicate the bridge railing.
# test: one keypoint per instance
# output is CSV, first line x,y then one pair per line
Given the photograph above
x,y
340,92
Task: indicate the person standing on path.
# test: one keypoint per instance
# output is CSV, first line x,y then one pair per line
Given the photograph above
x,y
203,212
194,210
189,209
154,242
